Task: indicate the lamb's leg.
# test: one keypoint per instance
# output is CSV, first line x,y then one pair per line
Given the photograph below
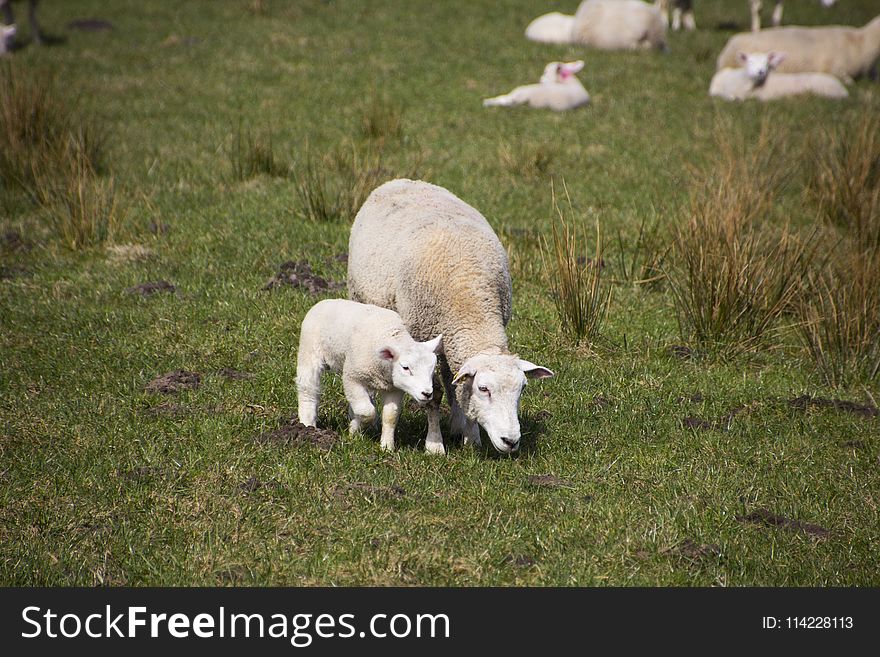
x,y
308,387
676,18
360,405
756,14
36,33
391,404
472,434
6,8
777,14
434,439
687,10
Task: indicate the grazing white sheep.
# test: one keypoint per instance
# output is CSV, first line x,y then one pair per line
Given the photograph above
x,y
551,28
754,80
683,12
558,90
421,250
844,52
376,355
604,24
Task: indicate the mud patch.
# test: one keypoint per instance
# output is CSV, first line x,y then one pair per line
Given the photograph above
x,y
368,490
767,518
174,382
294,433
700,424
803,402
601,402
234,375
151,287
693,551
90,25
299,274
549,481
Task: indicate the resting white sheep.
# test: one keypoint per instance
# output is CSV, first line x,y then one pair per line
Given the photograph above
x,y
754,80
558,90
421,250
844,52
683,12
604,24
376,355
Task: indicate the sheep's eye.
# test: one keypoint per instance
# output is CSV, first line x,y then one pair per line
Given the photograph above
x,y
483,389
404,368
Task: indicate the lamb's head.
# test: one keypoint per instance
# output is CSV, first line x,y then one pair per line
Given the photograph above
x,y
560,72
7,37
759,64
412,366
490,386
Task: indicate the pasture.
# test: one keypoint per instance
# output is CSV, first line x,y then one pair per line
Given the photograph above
x,y
233,137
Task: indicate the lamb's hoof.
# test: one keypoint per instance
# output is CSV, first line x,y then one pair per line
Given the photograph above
x,y
435,448
387,446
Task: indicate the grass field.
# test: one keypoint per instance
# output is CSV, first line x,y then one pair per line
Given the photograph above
x,y
650,459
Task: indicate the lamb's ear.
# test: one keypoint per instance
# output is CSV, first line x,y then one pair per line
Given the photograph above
x,y
534,371
468,370
774,59
574,67
435,345
387,353
741,57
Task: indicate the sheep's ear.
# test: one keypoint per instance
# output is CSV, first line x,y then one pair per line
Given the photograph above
x,y
774,59
534,371
436,345
468,370
741,57
387,353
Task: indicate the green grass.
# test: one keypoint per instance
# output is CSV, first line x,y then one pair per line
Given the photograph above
x,y
96,487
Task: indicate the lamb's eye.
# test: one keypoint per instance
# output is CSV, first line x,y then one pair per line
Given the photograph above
x,y
483,389
404,368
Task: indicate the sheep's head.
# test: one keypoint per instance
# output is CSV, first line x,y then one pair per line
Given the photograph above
x,y
412,366
759,64
559,72
490,387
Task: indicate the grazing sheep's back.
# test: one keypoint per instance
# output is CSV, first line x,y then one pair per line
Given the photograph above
x,y
844,52
420,250
619,25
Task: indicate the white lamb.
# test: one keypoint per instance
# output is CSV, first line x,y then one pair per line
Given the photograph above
x,y
844,52
604,24
558,90
754,80
376,355
421,250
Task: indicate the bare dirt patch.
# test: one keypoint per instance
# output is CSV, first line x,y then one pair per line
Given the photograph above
x,y
151,287
292,432
549,481
299,274
767,518
174,382
803,402
692,551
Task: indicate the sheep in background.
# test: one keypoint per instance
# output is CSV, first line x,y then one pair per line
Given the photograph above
x,y
9,18
604,24
558,90
844,52
683,13
754,80
375,354
421,250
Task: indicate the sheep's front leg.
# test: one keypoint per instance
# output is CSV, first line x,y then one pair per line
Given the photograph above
x,y
434,440
391,404
308,389
360,406
472,434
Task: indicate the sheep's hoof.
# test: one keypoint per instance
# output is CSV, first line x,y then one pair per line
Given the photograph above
x,y
435,448
387,446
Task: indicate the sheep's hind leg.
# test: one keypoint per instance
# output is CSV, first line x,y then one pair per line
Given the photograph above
x,y
391,403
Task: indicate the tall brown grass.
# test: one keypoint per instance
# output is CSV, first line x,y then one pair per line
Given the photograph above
x,y
382,120
576,278
253,154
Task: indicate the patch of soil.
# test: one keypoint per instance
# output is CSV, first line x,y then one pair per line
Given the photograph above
x,y
770,519
368,490
519,560
293,432
340,257
601,402
549,481
168,409
692,422
723,423
855,444
692,551
250,485
234,375
543,415
12,240
805,401
299,274
174,382
159,228
151,287
681,351
90,25
8,272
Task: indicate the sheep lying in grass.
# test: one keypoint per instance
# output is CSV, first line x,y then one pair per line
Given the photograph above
x,y
754,80
844,52
604,24
558,90
421,250
683,12
376,355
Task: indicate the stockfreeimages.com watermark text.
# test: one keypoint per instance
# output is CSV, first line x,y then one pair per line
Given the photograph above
x,y
300,629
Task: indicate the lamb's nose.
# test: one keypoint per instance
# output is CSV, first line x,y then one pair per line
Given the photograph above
x,y
513,444
427,394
